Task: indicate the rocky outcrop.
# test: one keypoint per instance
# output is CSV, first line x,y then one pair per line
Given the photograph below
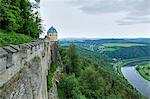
x,y
24,69
53,91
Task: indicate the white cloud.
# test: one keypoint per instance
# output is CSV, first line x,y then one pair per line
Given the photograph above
x,y
136,9
71,21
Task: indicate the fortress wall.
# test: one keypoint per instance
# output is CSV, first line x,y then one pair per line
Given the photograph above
x,y
24,69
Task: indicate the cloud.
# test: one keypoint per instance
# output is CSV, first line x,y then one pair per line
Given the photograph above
x,y
133,20
135,11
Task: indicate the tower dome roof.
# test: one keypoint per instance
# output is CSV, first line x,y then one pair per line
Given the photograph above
x,y
52,30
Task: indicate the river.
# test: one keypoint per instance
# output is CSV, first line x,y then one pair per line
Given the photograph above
x,y
136,80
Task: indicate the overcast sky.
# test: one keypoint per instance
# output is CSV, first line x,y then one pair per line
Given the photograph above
x,y
97,18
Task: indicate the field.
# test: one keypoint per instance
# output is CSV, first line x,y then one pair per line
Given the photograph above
x,y
144,70
117,46
121,44
109,49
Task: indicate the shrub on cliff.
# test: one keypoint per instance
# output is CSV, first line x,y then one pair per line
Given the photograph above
x,y
50,76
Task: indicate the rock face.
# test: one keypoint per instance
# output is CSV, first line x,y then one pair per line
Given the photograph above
x,y
24,69
56,78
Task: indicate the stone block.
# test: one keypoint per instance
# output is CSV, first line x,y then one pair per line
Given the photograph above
x,y
3,52
10,49
16,47
9,61
29,45
3,63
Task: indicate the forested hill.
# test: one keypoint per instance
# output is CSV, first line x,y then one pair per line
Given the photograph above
x,y
114,48
115,40
129,52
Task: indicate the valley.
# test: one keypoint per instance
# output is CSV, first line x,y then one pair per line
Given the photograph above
x,y
125,57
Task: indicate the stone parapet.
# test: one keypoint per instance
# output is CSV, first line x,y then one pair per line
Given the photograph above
x,y
13,57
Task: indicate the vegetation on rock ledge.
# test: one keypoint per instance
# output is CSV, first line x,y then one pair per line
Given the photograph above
x,y
50,76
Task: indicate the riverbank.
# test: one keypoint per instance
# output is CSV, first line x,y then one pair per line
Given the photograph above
x,y
126,63
144,70
136,80
131,62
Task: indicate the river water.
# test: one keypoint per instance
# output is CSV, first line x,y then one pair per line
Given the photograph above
x,y
136,80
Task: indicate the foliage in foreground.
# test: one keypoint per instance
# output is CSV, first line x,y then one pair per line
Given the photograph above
x,y
12,38
18,16
91,81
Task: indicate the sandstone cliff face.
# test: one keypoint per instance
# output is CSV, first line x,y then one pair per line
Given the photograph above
x,y
24,69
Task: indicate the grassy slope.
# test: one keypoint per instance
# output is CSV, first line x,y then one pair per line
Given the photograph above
x,y
144,70
7,38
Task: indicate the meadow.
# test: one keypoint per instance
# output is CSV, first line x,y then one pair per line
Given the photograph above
x,y
122,44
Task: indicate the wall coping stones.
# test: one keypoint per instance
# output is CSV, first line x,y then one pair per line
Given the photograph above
x,y
32,44
23,46
10,49
28,45
10,54
15,47
3,52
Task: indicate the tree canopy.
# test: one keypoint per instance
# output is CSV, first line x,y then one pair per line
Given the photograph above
x,y
20,16
84,78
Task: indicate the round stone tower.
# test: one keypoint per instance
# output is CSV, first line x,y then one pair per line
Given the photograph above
x,y
52,34
52,37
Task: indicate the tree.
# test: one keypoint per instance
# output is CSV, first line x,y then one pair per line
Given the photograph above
x,y
74,60
92,85
10,18
19,16
69,87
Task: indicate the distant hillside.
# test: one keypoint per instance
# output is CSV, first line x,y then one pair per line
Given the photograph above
x,y
124,40
130,52
118,48
140,40
109,41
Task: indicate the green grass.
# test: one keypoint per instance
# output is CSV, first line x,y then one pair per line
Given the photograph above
x,y
121,44
8,38
109,49
117,46
144,70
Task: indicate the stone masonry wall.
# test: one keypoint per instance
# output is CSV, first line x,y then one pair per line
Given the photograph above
x,y
24,69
